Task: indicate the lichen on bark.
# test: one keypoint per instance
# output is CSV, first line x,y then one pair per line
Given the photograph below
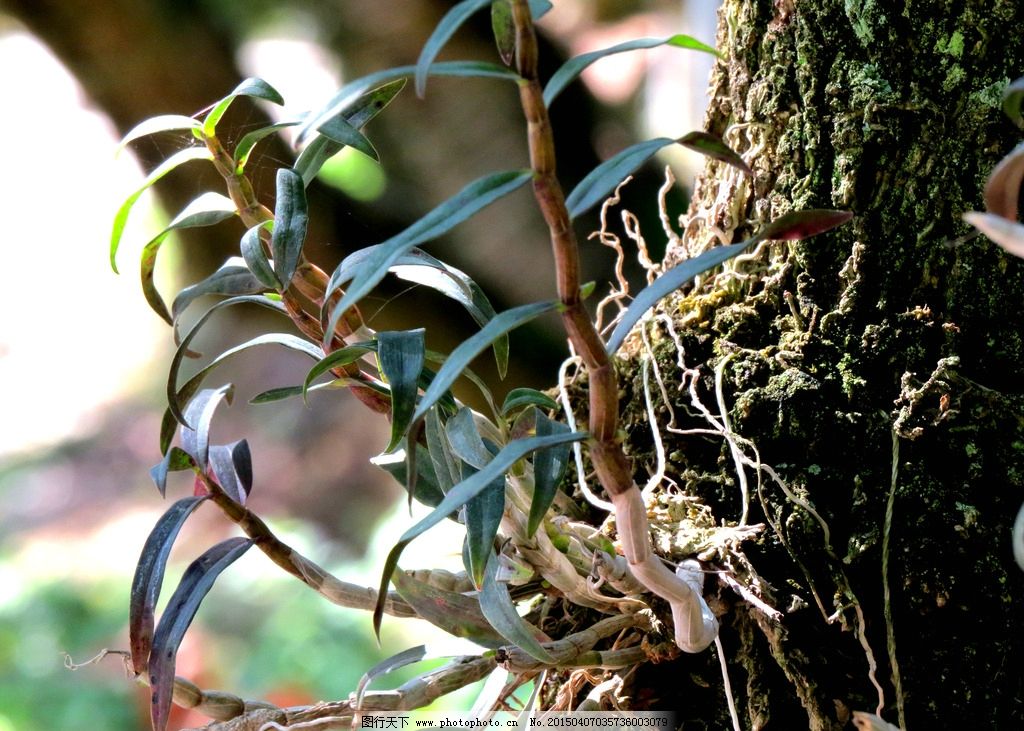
x,y
887,325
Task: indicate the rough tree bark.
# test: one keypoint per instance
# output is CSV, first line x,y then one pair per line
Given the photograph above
x,y
882,359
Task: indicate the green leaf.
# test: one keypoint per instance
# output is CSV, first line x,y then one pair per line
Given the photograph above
x,y
519,397
712,146
465,439
256,257
357,114
471,199
276,394
459,495
206,210
428,490
400,660
796,225
336,359
233,278
483,518
246,145
549,467
181,609
121,217
457,614
149,576
153,125
497,607
504,30
175,460
600,181
290,221
451,22
572,68
401,361
253,87
471,348
343,133
349,93
232,466
195,433
1013,98
175,397
446,468
539,8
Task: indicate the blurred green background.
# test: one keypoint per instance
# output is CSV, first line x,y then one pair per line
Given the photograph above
x,y
83,360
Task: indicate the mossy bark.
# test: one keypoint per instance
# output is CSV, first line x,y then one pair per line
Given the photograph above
x,y
834,345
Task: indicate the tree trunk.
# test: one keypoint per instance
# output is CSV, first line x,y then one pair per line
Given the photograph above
x,y
876,368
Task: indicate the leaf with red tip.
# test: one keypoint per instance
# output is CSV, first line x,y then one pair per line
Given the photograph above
x,y
149,575
1008,234
181,609
801,225
712,146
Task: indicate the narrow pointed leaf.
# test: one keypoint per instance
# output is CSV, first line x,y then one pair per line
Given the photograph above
x,y
288,341
174,397
549,467
149,576
427,489
446,468
471,199
248,142
276,394
401,360
256,257
290,221
175,460
1002,189
253,87
195,437
712,146
483,517
465,440
504,30
1013,99
181,609
162,123
355,89
521,397
496,605
336,359
1008,234
206,210
469,349
121,217
451,22
400,660
572,68
343,133
232,465
360,111
602,180
457,614
231,279
796,225
459,495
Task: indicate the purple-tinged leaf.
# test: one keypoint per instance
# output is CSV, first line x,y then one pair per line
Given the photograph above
x,y
712,146
572,68
458,496
445,29
175,460
1008,234
401,355
496,605
232,279
504,30
457,614
181,609
1002,189
232,466
794,225
195,433
149,576
206,210
290,222
1013,98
